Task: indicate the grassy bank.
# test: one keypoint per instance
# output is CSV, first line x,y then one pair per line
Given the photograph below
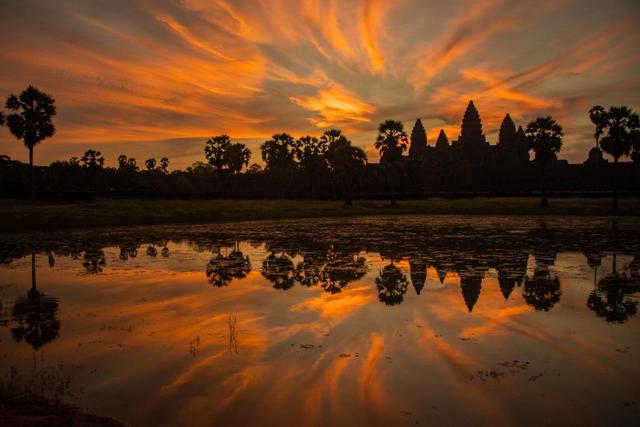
x,y
22,215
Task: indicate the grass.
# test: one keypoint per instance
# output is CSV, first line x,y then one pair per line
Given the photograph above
x,y
22,215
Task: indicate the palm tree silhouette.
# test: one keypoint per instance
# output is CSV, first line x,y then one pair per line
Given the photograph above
x,y
238,155
30,121
345,161
150,164
280,154
545,139
215,151
164,165
620,127
391,142
313,161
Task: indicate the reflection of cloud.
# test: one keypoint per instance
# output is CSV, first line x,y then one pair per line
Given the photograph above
x,y
340,305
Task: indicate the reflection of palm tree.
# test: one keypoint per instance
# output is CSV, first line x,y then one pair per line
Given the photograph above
x,y
279,270
128,250
392,285
222,269
35,315
93,260
338,272
152,250
612,298
542,291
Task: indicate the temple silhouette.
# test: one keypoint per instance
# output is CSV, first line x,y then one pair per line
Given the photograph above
x,y
471,164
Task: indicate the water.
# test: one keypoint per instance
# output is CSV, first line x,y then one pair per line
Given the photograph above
x,y
377,321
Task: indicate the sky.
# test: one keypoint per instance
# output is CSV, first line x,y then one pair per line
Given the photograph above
x,y
154,78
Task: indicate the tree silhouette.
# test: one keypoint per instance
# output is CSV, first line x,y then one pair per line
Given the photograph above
x,y
391,142
35,315
313,162
164,165
392,285
616,131
418,145
238,155
150,164
92,159
545,139
346,161
215,151
280,154
127,164
30,121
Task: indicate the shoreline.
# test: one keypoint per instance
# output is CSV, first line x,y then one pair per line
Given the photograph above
x,y
19,215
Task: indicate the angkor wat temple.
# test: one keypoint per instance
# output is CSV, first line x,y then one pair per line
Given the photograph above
x,y
472,164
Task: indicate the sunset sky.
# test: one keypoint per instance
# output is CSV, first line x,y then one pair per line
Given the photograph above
x,y
153,78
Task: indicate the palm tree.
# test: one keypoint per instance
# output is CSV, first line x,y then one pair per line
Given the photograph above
x,y
313,162
150,164
280,154
215,151
30,121
237,156
164,165
620,127
93,159
545,139
391,142
345,161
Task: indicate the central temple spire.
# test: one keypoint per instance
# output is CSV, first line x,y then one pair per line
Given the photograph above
x,y
471,134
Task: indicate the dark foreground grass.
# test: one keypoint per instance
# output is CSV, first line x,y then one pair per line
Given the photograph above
x,y
21,215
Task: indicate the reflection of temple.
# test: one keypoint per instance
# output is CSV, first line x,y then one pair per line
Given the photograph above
x,y
299,257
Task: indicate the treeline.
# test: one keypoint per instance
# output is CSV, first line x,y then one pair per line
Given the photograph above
x,y
328,166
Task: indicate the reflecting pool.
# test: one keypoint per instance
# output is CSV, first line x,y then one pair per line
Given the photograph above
x,y
370,321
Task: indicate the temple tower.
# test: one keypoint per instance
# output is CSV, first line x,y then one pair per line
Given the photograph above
x,y
471,136
418,141
507,136
443,141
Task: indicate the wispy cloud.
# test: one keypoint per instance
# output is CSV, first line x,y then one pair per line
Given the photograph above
x,y
176,71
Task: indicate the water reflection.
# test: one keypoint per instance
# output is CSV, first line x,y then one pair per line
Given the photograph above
x,y
330,320
34,316
613,298
222,269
